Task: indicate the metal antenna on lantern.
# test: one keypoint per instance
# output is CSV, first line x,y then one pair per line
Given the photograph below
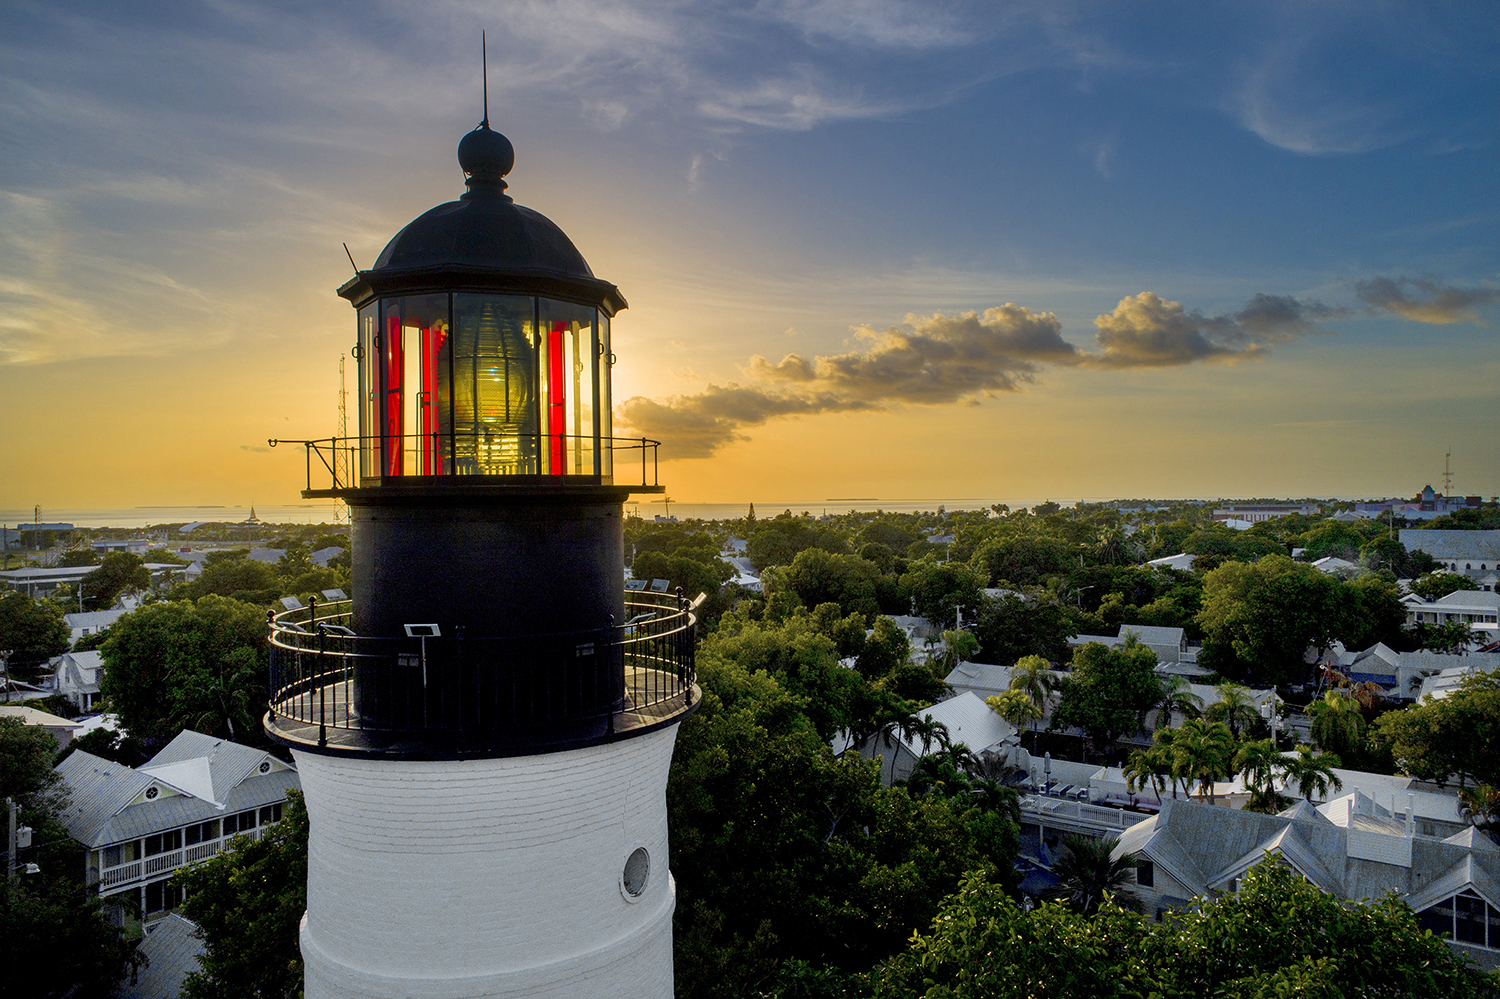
x,y
484,70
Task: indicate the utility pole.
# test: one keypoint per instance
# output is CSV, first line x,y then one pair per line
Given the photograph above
x,y
1447,475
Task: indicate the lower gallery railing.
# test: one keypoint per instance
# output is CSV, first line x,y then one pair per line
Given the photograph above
x,y
627,674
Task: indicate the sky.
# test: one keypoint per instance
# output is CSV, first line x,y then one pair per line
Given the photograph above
x,y
871,248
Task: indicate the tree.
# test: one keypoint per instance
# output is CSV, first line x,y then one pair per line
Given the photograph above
x,y
1457,736
155,656
1015,707
1176,696
1017,625
1087,875
33,630
939,589
27,753
1277,936
1032,676
958,646
1259,619
820,577
1108,692
886,648
233,572
1234,708
248,902
1151,767
1438,585
1262,765
1337,724
1313,773
1203,751
118,573
1449,636
1480,806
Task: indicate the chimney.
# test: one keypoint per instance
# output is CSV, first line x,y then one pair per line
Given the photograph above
x,y
1411,816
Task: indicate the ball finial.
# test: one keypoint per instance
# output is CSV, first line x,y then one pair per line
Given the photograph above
x,y
486,156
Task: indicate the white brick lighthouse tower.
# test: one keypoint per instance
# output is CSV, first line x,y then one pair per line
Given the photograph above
x,y
483,733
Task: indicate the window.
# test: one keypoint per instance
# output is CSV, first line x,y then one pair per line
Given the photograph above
x,y
270,813
164,842
124,853
202,832
161,896
1145,874
239,823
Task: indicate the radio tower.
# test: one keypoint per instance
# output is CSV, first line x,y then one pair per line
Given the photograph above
x,y
1447,475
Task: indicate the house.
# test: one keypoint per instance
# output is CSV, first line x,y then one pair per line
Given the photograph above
x,y
323,556
1479,609
1332,564
136,546
1169,644
90,622
969,722
61,729
1353,847
36,582
78,678
138,826
172,950
1475,554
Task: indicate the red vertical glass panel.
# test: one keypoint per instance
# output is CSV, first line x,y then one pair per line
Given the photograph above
x,y
391,352
557,400
432,346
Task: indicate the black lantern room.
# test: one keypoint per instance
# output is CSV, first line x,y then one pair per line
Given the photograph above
x,y
485,488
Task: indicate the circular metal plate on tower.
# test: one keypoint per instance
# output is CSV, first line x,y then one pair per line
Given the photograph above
x,y
637,873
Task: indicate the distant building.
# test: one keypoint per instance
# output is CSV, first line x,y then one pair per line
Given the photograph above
x,y
172,950
139,826
78,678
1256,512
135,546
1479,609
969,721
58,727
1475,554
84,623
1182,562
45,582
1169,644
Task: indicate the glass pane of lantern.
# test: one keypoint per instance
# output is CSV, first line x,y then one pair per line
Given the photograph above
x,y
367,395
495,414
568,376
416,368
606,422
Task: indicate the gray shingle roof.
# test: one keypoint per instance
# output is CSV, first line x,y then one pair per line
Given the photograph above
x,y
172,949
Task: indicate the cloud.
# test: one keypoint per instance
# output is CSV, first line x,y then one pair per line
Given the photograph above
x,y
933,360
1147,331
939,360
1424,300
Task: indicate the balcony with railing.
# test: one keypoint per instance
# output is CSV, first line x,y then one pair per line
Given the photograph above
x,y
445,460
456,694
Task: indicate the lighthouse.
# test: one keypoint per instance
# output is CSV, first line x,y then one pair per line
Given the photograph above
x,y
484,731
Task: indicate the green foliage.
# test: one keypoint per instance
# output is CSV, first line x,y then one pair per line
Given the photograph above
x,y
939,588
1022,561
1201,751
33,630
106,744
779,541
55,942
1278,936
163,661
231,573
1013,627
885,649
796,870
27,755
1259,619
1087,874
1457,736
692,574
818,577
248,902
78,557
118,573
1437,585
1108,691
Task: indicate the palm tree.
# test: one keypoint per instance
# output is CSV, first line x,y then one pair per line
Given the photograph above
x,y
1262,764
1015,707
1203,751
1337,723
217,700
1313,773
1233,707
1149,768
1479,805
1176,695
1086,873
1032,676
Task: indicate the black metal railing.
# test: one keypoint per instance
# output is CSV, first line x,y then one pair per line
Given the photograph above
x,y
340,463
542,688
